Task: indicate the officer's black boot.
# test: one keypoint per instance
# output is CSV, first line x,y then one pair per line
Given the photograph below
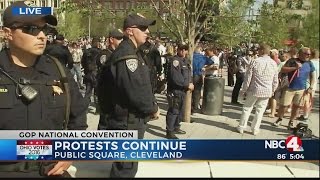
x,y
179,131
170,135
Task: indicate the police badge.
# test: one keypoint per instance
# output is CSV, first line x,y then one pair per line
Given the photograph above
x,y
175,63
132,64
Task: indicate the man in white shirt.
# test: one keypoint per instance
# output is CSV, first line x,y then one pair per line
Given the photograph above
x,y
260,82
212,70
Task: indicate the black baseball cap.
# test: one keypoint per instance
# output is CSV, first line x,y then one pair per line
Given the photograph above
x,y
60,37
116,33
10,19
137,20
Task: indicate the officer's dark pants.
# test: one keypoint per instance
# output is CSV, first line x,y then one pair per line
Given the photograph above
x,y
126,169
102,122
196,94
237,87
89,89
230,77
175,111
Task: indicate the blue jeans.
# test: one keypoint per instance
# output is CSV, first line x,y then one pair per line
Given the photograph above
x,y
76,71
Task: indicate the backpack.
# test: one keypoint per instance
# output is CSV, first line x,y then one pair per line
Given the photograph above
x,y
89,60
302,131
233,66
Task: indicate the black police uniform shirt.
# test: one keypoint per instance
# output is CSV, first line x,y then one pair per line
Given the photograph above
x,y
104,56
46,111
89,60
133,86
62,53
179,75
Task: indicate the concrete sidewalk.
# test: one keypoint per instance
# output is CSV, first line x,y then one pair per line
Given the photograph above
x,y
213,127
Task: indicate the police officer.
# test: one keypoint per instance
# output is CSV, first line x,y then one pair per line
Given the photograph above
x,y
129,87
89,64
60,51
115,38
152,57
179,81
42,107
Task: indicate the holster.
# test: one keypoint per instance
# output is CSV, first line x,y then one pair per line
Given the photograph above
x,y
173,101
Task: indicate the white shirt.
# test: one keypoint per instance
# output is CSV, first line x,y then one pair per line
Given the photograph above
x,y
162,50
216,62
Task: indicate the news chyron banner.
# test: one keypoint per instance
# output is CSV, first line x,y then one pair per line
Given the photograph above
x,y
124,146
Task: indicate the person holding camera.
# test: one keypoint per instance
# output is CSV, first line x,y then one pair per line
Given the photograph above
x,y
36,91
298,71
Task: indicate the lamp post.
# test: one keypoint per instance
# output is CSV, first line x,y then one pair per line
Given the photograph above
x,y
250,20
89,21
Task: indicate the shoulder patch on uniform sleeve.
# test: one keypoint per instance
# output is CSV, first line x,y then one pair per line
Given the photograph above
x,y
132,64
103,59
175,63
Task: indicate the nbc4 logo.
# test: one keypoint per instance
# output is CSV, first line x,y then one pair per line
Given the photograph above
x,y
294,144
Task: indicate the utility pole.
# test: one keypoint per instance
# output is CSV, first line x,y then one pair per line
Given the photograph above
x,y
90,13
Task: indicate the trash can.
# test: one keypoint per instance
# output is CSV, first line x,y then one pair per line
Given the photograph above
x,y
213,95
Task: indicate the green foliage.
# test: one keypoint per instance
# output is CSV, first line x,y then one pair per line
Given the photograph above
x,y
310,30
73,27
232,26
273,26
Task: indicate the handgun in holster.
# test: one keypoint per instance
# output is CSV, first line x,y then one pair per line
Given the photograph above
x,y
170,99
173,101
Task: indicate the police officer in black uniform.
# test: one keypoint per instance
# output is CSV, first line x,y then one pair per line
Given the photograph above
x,y
115,38
89,64
152,57
60,51
42,107
128,85
179,81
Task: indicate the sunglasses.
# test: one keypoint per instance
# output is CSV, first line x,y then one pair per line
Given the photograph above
x,y
118,38
33,29
141,28
308,54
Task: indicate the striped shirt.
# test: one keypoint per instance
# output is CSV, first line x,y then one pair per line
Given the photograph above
x,y
261,79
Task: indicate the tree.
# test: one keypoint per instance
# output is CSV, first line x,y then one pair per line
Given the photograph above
x,y
273,26
186,20
232,25
310,27
92,14
72,28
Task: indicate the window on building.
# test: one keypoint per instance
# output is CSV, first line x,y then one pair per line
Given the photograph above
x,y
121,5
138,4
128,5
43,3
55,3
107,5
116,5
2,5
